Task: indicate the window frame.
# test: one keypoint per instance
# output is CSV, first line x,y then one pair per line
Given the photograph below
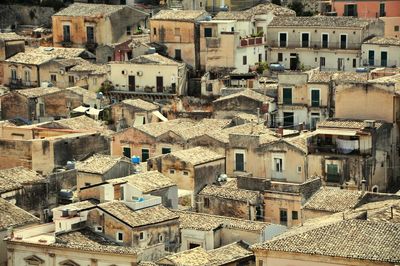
x,y
243,152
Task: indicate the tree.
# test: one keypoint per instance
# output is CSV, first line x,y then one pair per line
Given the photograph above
x,y
297,7
276,2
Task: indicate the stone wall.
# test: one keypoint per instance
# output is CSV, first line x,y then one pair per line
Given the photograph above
x,y
25,15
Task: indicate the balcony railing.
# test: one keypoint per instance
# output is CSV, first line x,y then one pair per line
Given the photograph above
x,y
314,45
251,41
19,83
379,63
333,149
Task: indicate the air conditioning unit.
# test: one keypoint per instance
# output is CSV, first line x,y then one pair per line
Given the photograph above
x,y
139,73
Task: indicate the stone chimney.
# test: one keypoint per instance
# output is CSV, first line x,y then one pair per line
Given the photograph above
x,y
279,131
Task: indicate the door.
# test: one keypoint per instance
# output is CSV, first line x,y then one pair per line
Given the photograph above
x,y
371,58
325,39
66,33
343,41
315,98
288,119
132,83
283,217
282,39
145,154
160,84
332,173
127,152
90,34
239,162
293,63
340,64
384,56
305,38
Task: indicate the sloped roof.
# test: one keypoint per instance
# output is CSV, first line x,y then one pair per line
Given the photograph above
x,y
11,36
38,92
345,123
141,104
196,156
230,193
319,21
89,10
256,10
248,94
41,55
182,15
12,216
98,163
384,41
230,253
352,239
17,177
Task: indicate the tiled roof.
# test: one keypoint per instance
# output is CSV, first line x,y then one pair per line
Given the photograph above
x,y
17,177
10,36
87,240
230,193
207,222
316,76
319,21
333,200
13,216
42,55
384,41
345,123
86,66
80,123
153,59
381,211
89,10
223,135
78,206
248,94
352,239
395,79
196,156
191,257
141,104
299,141
181,15
98,164
38,92
256,10
142,217
230,253
146,182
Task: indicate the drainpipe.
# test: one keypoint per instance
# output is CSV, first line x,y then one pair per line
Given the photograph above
x,y
38,76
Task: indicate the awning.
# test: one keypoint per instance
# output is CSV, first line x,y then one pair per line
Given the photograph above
x,y
93,111
159,115
335,131
81,109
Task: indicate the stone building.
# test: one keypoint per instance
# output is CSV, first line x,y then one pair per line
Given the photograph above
x,y
178,30
331,43
190,169
381,52
99,168
90,25
12,217
10,44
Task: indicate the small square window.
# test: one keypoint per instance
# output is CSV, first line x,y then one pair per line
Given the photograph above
x,y
177,31
128,30
280,57
154,31
87,184
185,173
397,28
206,203
142,236
244,60
165,150
299,169
172,171
295,215
53,78
120,236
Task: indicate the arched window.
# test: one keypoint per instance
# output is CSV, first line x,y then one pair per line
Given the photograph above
x,y
27,75
375,188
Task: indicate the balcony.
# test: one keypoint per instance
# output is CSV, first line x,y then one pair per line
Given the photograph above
x,y
339,146
19,83
143,202
66,43
251,41
379,63
314,45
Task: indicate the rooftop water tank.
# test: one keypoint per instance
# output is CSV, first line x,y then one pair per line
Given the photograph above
x,y
135,159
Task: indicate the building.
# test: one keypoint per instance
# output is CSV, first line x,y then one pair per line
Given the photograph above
x,y
140,228
89,25
10,44
152,73
370,9
381,52
134,112
228,200
332,43
234,254
12,217
39,104
190,169
177,29
211,231
23,69
370,243
138,187
353,150
99,168
392,26
246,101
304,99
155,139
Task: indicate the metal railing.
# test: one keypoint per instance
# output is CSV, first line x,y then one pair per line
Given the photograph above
x,y
22,83
379,63
314,45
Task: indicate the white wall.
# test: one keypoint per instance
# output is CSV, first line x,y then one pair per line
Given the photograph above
x,y
393,53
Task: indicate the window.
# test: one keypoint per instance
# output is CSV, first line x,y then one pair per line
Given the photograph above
x,y
177,31
259,58
322,61
66,33
332,174
206,203
90,34
397,28
278,165
201,4
87,184
13,74
287,96
154,31
145,155
280,57
126,152
109,58
207,32
71,80
260,263
295,215
41,109
382,11
232,29
172,171
53,78
165,150
384,58
27,75
343,41
185,173
325,40
209,87
244,60
178,54
120,237
142,236
282,39
354,63
299,169
128,30
99,228
315,98
305,39
161,237
193,245
239,161
288,119
283,216
371,57
350,10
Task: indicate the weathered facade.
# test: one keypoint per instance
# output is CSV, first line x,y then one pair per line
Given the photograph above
x,y
10,44
381,52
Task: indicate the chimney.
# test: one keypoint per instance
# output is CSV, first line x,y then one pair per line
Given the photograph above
x,y
363,182
279,131
301,127
252,126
